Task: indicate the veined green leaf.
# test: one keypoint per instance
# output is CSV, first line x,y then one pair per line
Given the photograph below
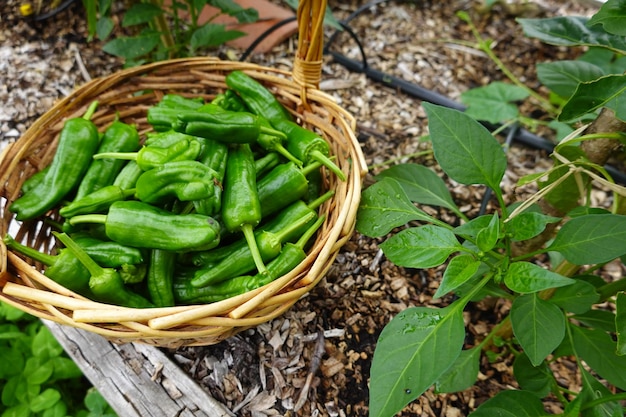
x,y
421,247
460,269
535,379
465,149
140,13
45,400
385,205
488,237
527,225
511,403
593,390
599,351
525,277
232,8
212,35
620,323
577,298
413,351
421,185
592,239
571,31
473,227
132,47
463,372
538,325
563,77
597,319
590,96
493,101
612,16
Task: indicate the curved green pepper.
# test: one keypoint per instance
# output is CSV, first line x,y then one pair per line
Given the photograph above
x,y
241,260
307,146
128,176
78,141
106,284
289,257
64,269
150,157
225,126
160,277
142,225
184,180
118,137
215,155
97,201
257,97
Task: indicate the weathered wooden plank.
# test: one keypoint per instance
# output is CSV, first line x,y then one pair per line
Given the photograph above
x,y
137,380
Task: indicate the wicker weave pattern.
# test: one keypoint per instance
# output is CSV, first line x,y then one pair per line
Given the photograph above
x,y
128,94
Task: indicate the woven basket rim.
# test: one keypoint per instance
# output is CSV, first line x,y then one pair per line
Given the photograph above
x,y
24,287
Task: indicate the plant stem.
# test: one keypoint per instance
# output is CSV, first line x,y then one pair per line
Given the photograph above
x,y
485,46
161,25
609,290
615,397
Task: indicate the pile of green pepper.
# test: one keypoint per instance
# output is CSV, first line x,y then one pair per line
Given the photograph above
x,y
220,198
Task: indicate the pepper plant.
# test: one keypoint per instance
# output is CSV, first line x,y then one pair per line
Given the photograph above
x,y
566,310
164,31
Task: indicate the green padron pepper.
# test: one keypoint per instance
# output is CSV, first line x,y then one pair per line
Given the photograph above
x,y
78,141
97,201
141,225
184,180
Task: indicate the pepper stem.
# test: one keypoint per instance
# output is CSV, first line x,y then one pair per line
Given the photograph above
x,y
88,218
272,132
315,204
310,232
311,167
318,156
248,232
90,110
284,152
34,254
129,156
91,265
294,226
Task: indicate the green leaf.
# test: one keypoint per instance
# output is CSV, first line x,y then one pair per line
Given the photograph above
x,y
605,59
525,277
38,371
463,372
535,379
577,298
571,31
104,27
232,8
471,229
590,96
511,403
465,149
421,185
212,35
45,400
593,390
20,410
527,225
140,13
488,237
538,325
412,352
612,15
493,101
12,362
461,269
65,368
45,345
620,323
132,47
421,247
599,351
59,409
11,313
384,206
591,239
563,77
597,319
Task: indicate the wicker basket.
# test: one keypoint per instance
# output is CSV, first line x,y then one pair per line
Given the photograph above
x,y
128,94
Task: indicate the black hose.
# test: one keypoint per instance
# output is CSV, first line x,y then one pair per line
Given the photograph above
x,y
53,12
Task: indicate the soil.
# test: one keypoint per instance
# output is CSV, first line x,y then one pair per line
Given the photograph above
x,y
315,359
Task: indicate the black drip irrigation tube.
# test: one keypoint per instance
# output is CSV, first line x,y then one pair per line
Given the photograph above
x,y
513,133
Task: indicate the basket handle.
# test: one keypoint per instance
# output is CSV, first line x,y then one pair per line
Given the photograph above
x,y
307,68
